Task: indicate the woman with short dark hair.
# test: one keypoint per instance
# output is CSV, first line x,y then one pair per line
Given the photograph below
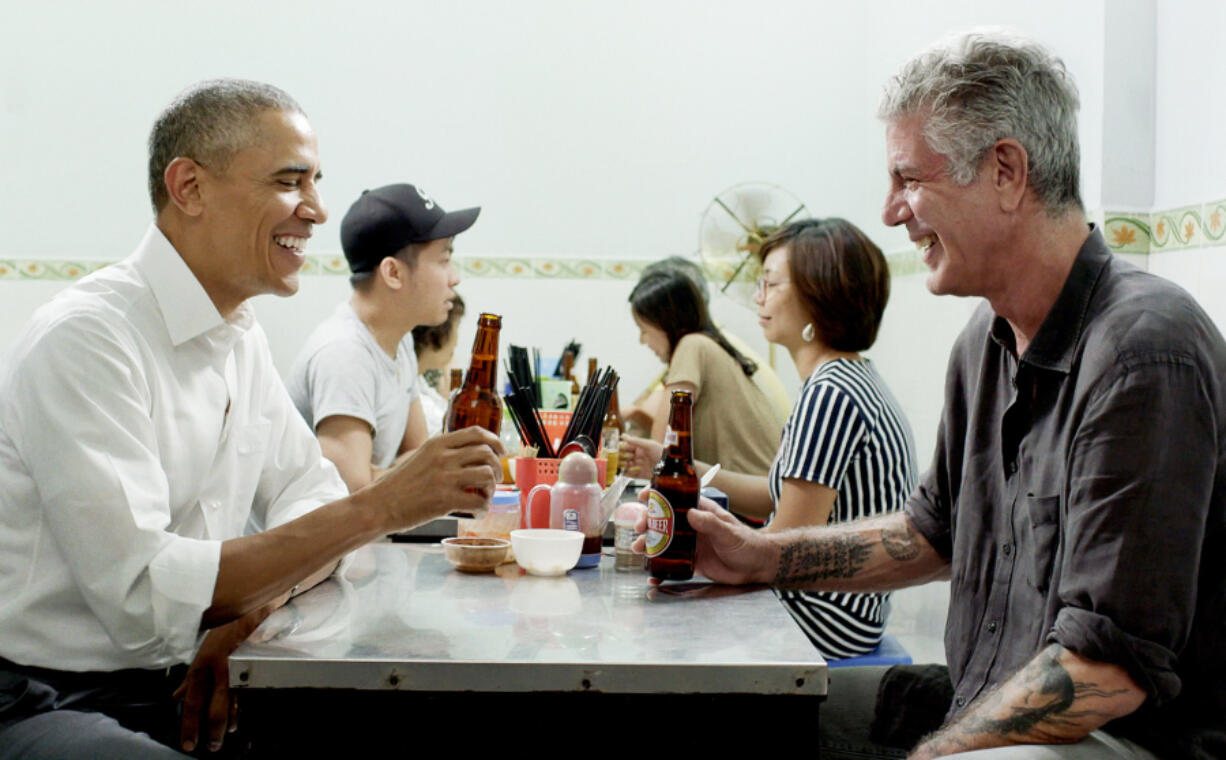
x,y
846,450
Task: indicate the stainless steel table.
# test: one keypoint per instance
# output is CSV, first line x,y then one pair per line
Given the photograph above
x,y
400,619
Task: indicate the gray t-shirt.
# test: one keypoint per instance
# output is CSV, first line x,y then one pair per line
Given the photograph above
x,y
342,370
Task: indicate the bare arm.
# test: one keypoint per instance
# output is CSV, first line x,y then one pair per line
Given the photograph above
x,y
874,554
454,471
1059,697
801,503
415,432
347,441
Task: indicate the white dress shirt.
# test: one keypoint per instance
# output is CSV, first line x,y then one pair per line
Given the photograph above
x,y
138,430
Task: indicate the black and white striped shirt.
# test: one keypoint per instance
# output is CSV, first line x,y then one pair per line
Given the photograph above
x,y
848,433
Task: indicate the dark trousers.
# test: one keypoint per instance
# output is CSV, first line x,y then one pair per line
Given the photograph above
x,y
123,714
882,712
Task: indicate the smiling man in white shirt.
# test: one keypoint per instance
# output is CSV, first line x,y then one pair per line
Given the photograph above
x,y
142,425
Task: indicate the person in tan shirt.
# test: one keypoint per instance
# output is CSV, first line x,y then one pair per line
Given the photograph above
x,y
639,415
734,421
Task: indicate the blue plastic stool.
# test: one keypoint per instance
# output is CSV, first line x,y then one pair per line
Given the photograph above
x,y
888,652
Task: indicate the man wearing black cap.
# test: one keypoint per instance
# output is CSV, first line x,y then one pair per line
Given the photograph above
x,y
354,380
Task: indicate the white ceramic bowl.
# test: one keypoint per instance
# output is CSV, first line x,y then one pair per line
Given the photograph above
x,y
543,551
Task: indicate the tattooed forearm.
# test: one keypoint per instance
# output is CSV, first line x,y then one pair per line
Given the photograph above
x,y
836,556
899,541
1045,702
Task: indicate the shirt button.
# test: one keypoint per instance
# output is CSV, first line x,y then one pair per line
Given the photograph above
x,y
1013,467
960,701
992,626
1007,549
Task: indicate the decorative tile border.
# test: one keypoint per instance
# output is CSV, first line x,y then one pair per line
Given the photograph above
x,y
1126,232
1177,229
47,269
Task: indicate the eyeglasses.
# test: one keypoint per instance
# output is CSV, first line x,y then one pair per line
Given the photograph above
x,y
765,286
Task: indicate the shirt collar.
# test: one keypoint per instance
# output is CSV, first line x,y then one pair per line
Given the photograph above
x,y
1054,344
186,308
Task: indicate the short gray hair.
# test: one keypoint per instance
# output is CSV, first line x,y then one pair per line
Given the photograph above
x,y
209,122
983,87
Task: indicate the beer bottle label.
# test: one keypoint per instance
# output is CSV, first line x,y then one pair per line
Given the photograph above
x,y
660,521
670,437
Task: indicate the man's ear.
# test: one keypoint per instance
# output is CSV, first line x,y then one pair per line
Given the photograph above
x,y
1011,172
182,178
393,272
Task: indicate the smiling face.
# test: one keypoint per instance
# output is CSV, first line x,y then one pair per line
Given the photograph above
x,y
653,337
260,211
780,312
431,283
952,225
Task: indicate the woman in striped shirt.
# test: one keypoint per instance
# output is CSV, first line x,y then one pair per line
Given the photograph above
x,y
847,450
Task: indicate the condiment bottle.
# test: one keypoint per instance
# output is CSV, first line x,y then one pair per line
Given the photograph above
x,y
477,402
674,492
574,504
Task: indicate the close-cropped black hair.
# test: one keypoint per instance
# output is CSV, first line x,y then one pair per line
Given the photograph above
x,y
670,300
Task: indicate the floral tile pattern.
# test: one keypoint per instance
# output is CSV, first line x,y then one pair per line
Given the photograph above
x,y
1177,229
47,269
1214,222
1127,232
905,262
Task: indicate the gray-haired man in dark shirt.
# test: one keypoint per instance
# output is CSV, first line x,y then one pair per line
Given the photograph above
x,y
1076,498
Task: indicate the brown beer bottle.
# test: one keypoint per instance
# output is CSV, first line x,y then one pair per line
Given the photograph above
x,y
457,379
477,402
568,369
674,492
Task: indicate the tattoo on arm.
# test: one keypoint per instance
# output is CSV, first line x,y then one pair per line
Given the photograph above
x,y
899,542
837,556
1054,710
1054,693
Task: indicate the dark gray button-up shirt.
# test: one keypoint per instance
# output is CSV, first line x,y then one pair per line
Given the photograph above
x,y
1080,492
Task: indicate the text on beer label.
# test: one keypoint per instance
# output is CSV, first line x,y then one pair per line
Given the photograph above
x,y
660,522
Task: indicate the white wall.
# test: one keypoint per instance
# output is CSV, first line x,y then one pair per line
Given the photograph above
x,y
583,129
1190,154
1189,148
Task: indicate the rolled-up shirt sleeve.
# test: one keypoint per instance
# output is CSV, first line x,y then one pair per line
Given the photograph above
x,y
83,412
1140,483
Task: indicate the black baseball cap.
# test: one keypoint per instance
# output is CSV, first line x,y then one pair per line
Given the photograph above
x,y
383,221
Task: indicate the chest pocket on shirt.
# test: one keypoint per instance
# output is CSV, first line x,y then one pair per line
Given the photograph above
x,y
236,477
1038,539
